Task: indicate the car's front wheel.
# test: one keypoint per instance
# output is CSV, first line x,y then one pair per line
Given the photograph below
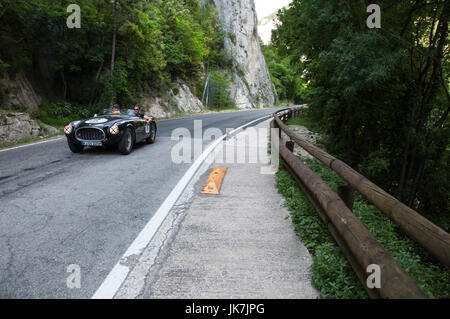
x,y
75,147
151,139
126,142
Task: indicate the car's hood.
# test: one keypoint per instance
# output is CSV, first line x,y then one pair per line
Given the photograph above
x,y
103,120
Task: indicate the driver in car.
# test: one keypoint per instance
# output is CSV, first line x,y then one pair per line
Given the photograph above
x,y
116,109
137,112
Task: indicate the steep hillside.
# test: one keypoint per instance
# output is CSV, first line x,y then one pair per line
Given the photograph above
x,y
251,84
159,54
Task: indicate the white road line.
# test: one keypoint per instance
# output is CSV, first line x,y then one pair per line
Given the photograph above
x,y
119,273
60,138
30,144
205,114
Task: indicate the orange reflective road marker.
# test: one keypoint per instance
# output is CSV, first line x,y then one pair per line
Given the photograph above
x,y
214,182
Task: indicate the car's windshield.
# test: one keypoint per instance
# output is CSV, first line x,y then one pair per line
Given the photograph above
x,y
119,112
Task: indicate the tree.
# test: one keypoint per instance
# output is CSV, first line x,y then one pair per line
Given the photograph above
x,y
123,50
287,80
381,95
113,52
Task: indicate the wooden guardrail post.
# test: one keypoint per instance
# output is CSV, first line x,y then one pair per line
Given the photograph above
x,y
356,242
433,238
290,146
352,236
347,194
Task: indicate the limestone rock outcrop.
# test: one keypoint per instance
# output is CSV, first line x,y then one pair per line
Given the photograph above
x,y
179,99
19,93
17,126
252,86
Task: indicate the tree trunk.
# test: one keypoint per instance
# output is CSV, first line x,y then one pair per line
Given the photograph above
x,y
4,9
63,78
407,152
113,53
417,181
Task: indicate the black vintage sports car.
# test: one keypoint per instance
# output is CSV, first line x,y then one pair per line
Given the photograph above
x,y
122,129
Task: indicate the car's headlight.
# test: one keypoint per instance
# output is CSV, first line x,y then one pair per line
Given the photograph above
x,y
114,129
68,129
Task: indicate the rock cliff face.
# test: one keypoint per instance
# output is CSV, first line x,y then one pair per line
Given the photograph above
x,y
17,126
251,86
17,94
20,93
178,99
185,100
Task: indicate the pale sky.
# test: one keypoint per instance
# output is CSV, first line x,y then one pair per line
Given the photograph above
x,y
263,9
266,7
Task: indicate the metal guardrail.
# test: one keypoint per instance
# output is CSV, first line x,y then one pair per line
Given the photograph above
x,y
356,242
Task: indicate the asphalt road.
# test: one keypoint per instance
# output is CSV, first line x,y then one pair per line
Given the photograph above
x,y
59,209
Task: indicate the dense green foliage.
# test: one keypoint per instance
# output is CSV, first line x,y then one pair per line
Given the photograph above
x,y
288,84
381,96
123,50
59,113
217,93
332,275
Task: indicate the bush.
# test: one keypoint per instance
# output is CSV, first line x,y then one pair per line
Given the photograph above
x,y
3,67
60,113
332,274
218,92
3,96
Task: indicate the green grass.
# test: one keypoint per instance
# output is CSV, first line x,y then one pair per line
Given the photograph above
x,y
304,120
224,108
331,272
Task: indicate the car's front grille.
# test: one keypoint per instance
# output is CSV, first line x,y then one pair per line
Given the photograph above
x,y
90,134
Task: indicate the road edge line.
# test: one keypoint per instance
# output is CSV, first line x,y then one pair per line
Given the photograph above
x,y
32,143
112,283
